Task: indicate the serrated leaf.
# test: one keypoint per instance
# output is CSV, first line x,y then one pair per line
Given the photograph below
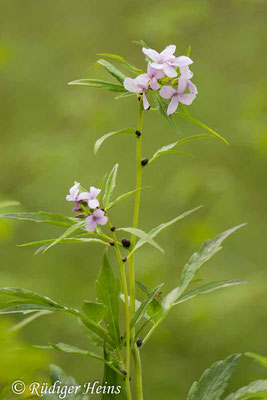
x,y
93,310
257,357
97,83
145,237
155,231
48,218
110,185
124,196
198,259
162,106
247,392
28,295
209,287
100,141
65,240
214,381
112,70
29,308
144,305
201,124
68,232
108,292
127,65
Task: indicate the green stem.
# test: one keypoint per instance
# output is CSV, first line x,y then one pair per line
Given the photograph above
x,y
127,316
136,354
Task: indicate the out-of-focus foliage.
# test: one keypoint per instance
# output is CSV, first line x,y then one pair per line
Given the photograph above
x,y
48,130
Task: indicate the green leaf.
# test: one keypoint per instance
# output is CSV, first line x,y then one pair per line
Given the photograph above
x,y
68,232
214,381
66,240
247,392
110,185
155,231
188,51
141,43
127,65
169,300
198,259
144,305
201,124
100,141
93,310
257,357
5,204
124,196
145,237
169,149
28,308
108,292
112,70
28,295
209,287
123,95
28,320
48,218
162,106
112,87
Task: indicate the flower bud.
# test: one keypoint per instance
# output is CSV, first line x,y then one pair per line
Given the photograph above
x,y
126,242
80,216
112,229
123,371
111,243
139,342
124,259
138,133
144,161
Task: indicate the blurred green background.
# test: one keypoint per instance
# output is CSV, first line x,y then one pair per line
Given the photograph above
x,y
47,134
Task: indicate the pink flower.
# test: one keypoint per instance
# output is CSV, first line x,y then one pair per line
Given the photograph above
x,y
162,61
91,196
153,75
185,81
98,217
74,192
176,96
137,85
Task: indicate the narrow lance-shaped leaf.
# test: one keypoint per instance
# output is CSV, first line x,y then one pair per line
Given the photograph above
x,y
93,310
112,70
28,295
28,320
144,305
29,308
155,231
257,357
255,390
214,381
198,259
145,237
97,83
124,196
68,232
110,185
188,51
66,240
108,292
209,287
141,43
5,204
43,217
201,124
100,141
161,106
127,65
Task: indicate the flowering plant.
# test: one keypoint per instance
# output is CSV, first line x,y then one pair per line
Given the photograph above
x,y
167,83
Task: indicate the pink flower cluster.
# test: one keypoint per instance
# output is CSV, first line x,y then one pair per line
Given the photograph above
x,y
88,203
162,65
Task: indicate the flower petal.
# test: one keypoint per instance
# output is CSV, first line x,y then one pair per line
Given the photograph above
x,y
182,61
90,224
182,84
157,66
142,81
185,71
102,221
168,52
84,196
131,85
173,105
154,84
94,192
169,70
167,92
186,98
145,102
152,54
93,203
192,87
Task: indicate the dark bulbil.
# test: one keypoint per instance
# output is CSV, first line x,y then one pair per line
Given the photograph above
x,y
126,242
112,229
138,133
111,243
124,259
144,161
139,342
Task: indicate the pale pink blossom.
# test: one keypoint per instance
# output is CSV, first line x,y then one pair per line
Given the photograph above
x,y
162,61
98,218
185,80
74,192
138,85
176,96
91,196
